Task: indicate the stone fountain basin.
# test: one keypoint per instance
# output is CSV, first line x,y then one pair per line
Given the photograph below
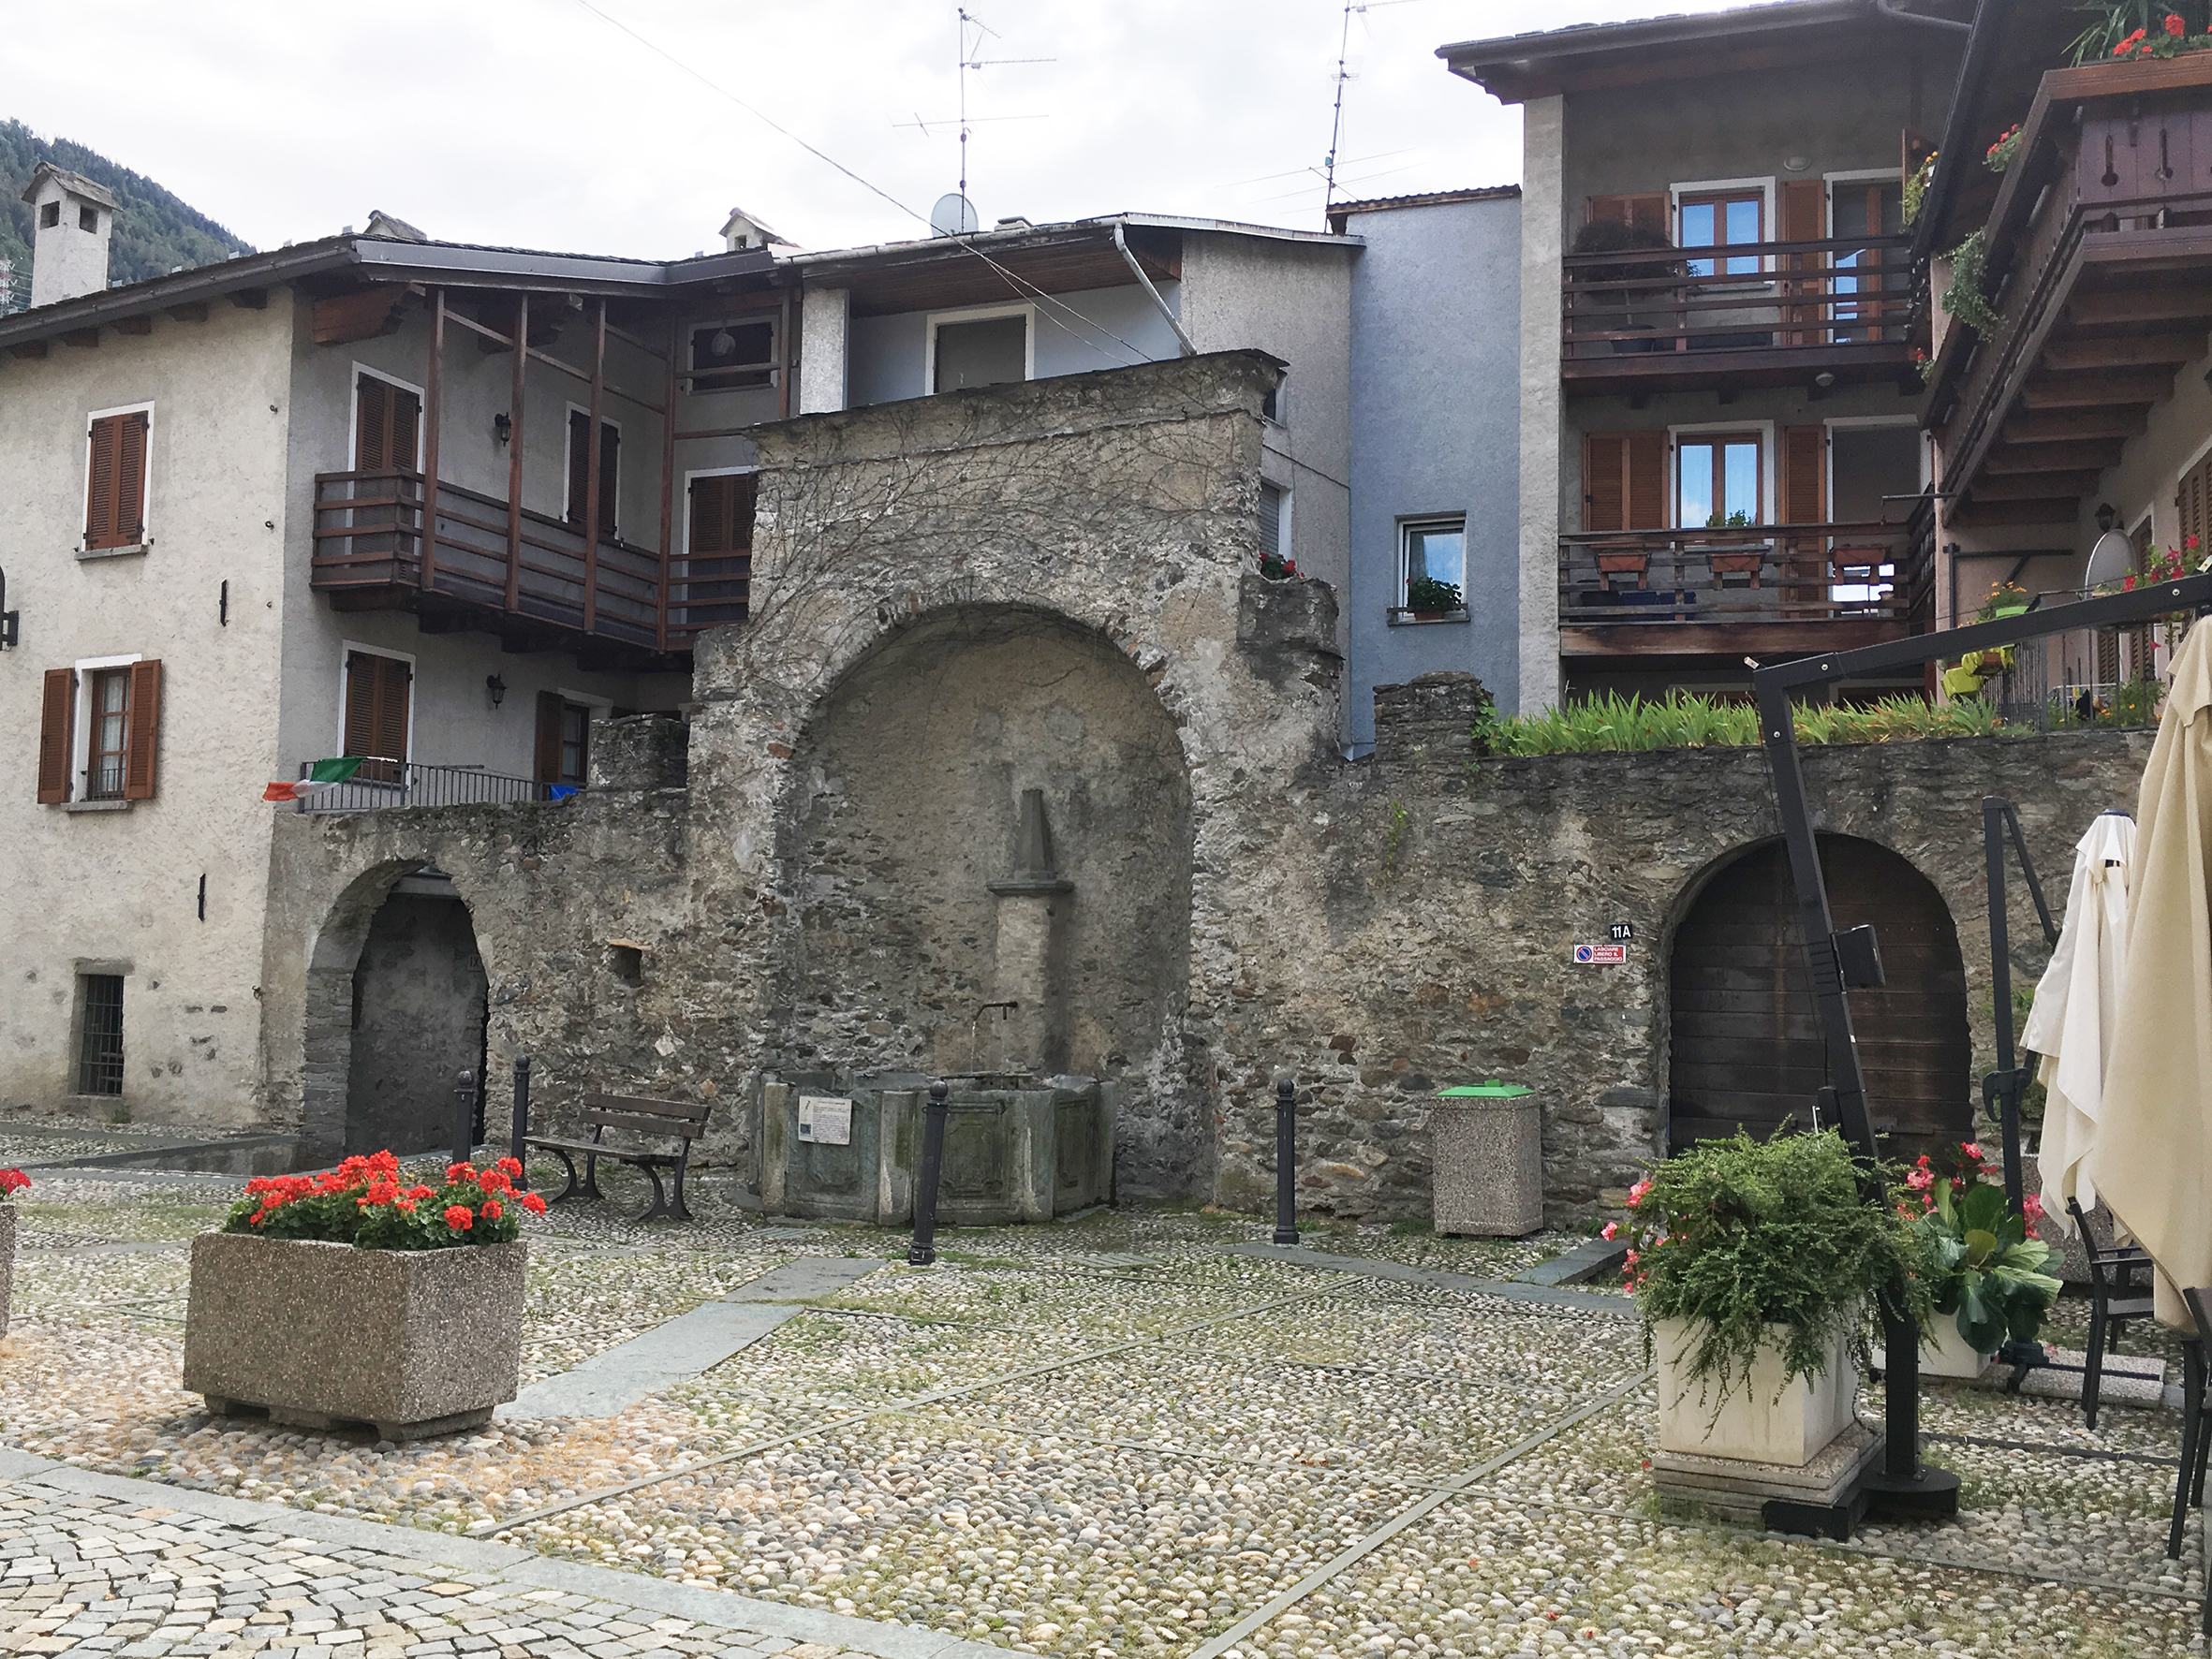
x,y
1017,1148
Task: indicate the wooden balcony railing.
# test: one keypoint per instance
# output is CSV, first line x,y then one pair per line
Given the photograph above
x,y
542,573
1772,581
1839,298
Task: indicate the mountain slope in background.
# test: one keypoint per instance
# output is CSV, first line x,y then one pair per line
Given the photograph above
x,y
154,232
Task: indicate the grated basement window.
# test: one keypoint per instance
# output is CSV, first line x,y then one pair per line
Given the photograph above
x,y
99,1046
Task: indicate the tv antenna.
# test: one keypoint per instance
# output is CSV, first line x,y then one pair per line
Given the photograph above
x,y
972,30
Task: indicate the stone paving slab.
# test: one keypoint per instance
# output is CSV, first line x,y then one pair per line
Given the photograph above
x,y
1376,1268
302,1564
616,1378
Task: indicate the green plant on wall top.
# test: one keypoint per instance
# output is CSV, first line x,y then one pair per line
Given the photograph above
x,y
1613,723
1761,1244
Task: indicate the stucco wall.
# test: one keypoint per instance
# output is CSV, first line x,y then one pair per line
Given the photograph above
x,y
1435,427
887,356
122,885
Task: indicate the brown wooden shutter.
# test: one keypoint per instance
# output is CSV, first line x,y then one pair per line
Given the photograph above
x,y
142,734
1805,218
2192,502
710,513
1625,480
406,418
1804,475
377,714
115,495
57,730
579,469
372,426
1645,211
550,707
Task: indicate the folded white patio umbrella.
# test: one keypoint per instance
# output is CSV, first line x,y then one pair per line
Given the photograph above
x,y
2154,1135
2076,1005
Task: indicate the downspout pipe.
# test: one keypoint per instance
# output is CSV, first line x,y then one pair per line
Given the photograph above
x,y
1137,270
1893,9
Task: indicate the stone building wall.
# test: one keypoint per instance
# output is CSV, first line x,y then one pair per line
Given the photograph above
x,y
1047,587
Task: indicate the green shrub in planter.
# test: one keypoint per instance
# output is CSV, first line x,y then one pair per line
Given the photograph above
x,y
1761,1244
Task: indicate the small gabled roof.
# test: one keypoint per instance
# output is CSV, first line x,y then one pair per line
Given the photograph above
x,y
75,184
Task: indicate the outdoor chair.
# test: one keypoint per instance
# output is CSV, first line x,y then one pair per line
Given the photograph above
x,y
2116,1297
2196,1428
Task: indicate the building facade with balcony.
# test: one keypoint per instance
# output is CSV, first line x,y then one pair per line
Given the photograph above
x,y
1720,447
2071,410
446,509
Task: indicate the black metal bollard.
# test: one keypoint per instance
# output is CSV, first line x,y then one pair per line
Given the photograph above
x,y
922,1252
463,1115
1286,1161
518,1125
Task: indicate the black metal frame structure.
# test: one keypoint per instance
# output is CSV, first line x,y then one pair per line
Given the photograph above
x,y
1900,1483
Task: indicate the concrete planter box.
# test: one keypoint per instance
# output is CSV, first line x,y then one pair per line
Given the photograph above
x,y
1752,1425
410,1342
1944,1353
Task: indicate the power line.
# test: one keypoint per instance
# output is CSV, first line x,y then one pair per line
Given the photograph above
x,y
1019,283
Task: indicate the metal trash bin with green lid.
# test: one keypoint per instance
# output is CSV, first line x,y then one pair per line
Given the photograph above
x,y
1488,1159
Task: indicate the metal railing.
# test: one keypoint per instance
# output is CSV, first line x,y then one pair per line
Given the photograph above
x,y
383,785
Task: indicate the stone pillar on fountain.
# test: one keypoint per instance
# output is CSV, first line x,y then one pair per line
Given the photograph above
x,y
1033,904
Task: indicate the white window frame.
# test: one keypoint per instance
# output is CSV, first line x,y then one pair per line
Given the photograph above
x,y
353,412
1284,494
1716,186
691,474
80,734
979,313
742,319
1411,522
346,648
1768,465
569,462
146,497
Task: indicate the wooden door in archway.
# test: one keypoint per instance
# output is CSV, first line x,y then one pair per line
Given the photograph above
x,y
1747,1049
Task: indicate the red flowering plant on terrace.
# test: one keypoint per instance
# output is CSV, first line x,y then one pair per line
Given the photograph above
x,y
12,1182
369,1202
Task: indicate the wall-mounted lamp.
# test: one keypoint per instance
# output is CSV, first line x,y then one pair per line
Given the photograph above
x,y
502,426
10,621
497,688
1824,379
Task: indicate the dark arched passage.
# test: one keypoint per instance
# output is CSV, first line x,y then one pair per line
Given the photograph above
x,y
1746,1049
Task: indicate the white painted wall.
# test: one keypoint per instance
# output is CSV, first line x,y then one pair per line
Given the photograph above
x,y
124,884
1543,230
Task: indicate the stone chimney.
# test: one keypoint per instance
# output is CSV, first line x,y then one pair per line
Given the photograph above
x,y
741,230
70,221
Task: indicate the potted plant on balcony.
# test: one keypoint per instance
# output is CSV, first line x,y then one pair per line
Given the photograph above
x,y
2006,598
352,1297
1754,1263
1983,1264
1430,600
1614,236
2142,29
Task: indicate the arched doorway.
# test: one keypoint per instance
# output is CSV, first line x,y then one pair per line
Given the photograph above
x,y
397,1007
999,814
1746,1049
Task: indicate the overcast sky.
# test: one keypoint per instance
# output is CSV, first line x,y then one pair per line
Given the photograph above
x,y
540,123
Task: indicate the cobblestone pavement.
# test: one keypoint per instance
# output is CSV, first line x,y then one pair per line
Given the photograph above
x,y
1132,1433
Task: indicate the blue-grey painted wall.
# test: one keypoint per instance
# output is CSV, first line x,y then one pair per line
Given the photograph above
x,y
1436,314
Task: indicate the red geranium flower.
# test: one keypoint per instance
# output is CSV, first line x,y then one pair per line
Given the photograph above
x,y
2175,27
459,1218
491,1208
534,1204
13,1180
511,1165
459,1171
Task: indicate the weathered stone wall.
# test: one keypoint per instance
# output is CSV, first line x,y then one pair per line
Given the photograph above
x,y
1048,587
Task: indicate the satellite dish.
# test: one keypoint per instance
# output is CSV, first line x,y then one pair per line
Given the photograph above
x,y
954,216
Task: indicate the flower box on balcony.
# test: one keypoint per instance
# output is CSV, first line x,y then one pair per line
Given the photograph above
x,y
320,1335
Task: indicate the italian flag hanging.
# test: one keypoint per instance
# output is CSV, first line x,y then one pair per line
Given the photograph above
x,y
321,775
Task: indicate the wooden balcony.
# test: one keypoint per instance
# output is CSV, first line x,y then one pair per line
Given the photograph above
x,y
1757,590
1755,313
2100,250
538,583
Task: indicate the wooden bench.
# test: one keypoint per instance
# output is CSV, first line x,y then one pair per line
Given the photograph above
x,y
672,1120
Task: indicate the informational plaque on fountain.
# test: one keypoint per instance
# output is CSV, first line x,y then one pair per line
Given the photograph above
x,y
825,1120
